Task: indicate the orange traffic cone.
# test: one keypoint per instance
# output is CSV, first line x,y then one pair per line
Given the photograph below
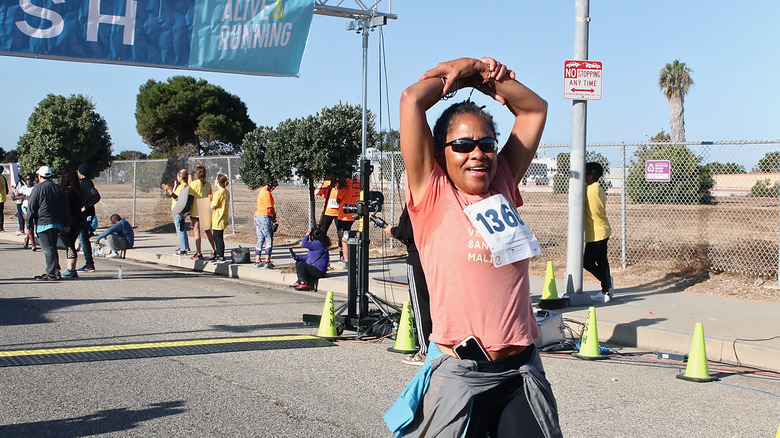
x,y
328,320
404,340
697,370
550,298
589,345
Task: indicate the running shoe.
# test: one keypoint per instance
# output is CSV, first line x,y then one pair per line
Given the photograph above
x,y
415,359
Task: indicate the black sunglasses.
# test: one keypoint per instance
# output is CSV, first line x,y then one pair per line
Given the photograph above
x,y
466,145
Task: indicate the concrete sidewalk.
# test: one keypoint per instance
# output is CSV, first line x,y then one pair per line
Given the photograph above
x,y
652,321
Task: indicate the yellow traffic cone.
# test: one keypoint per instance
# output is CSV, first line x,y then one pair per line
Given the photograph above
x,y
550,298
550,291
328,319
404,339
697,370
589,345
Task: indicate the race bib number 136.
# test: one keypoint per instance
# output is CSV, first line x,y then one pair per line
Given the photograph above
x,y
508,237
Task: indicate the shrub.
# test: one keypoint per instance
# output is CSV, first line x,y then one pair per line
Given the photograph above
x,y
765,189
689,181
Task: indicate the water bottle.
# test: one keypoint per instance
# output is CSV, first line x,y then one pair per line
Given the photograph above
x,y
119,272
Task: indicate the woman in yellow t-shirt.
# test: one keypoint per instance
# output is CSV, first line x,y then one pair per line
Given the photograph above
x,y
200,189
220,206
597,231
179,217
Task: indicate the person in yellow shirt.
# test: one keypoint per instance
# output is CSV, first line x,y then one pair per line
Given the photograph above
x,y
597,231
179,217
265,216
199,189
220,206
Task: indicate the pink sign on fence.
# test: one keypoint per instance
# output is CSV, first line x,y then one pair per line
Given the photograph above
x,y
657,170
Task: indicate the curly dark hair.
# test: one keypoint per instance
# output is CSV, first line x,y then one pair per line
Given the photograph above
x,y
443,123
69,179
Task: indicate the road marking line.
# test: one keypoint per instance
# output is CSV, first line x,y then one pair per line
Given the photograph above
x,y
164,344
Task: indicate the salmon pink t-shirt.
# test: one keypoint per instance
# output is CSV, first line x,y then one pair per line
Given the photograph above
x,y
468,295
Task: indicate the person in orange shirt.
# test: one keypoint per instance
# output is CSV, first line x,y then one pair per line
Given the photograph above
x,y
337,194
345,220
265,216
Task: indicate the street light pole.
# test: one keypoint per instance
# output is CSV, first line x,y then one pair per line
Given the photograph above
x,y
579,112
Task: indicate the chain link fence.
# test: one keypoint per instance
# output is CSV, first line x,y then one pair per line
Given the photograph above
x,y
718,211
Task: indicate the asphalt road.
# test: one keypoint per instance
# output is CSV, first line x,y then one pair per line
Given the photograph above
x,y
271,384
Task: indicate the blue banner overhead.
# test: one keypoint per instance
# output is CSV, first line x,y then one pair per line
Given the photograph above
x,y
259,37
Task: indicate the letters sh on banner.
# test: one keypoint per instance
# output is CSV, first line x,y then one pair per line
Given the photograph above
x,y
582,80
258,37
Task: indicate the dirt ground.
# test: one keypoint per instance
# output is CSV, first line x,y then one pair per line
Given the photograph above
x,y
653,278
659,279
649,278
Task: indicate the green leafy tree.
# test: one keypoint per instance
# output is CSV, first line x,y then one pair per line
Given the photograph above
x,y
130,156
675,80
690,182
563,164
63,132
12,156
188,117
389,140
661,137
2,155
769,164
643,150
323,146
256,169
716,168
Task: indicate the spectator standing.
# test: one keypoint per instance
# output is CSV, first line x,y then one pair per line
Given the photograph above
x,y
597,231
179,212
314,265
119,235
3,196
265,217
19,194
418,287
220,204
89,198
346,220
70,182
199,189
336,194
48,215
23,193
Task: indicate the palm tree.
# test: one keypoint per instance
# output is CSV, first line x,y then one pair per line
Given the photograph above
x,y
674,81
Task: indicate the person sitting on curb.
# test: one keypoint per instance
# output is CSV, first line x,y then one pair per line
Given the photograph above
x,y
119,235
314,265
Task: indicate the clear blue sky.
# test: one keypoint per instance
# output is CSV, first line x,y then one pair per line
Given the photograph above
x,y
731,47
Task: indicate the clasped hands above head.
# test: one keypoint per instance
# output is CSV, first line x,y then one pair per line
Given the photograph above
x,y
465,71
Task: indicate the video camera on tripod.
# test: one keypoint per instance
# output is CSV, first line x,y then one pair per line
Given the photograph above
x,y
374,205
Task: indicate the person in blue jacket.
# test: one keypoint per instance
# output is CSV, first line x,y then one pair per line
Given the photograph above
x,y
314,265
119,235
